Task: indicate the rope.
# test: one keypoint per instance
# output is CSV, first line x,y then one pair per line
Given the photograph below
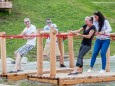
x,y
63,35
42,35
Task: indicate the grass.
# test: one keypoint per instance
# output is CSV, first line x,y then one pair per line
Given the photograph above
x,y
67,14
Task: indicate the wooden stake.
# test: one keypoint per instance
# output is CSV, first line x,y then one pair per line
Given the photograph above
x,y
71,52
52,53
39,54
108,60
3,53
61,47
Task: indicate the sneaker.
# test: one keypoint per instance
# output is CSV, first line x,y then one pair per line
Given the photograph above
x,y
62,65
89,70
102,71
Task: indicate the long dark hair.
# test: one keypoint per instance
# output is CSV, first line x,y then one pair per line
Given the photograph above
x,y
101,19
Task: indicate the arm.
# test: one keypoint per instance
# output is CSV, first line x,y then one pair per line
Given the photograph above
x,y
33,33
23,33
77,31
108,30
108,27
87,36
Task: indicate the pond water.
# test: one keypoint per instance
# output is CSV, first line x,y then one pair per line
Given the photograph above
x,y
32,65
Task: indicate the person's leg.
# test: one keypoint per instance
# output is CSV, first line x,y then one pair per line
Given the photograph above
x,y
97,47
79,65
104,48
58,54
19,53
17,65
46,51
83,50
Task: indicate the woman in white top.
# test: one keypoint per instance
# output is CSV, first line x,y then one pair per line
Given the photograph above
x,y
102,40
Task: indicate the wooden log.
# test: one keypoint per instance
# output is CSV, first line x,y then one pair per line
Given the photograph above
x,y
108,60
52,53
39,54
44,80
3,53
71,52
61,48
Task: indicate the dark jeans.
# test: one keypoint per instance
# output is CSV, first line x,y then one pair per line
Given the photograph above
x,y
82,51
103,46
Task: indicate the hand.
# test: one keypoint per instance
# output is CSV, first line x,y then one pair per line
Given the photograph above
x,y
72,31
78,34
99,33
55,31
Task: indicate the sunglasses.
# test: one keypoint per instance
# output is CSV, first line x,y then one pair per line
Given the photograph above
x,y
49,22
26,22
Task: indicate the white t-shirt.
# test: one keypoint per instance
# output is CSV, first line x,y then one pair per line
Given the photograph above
x,y
106,28
47,28
29,31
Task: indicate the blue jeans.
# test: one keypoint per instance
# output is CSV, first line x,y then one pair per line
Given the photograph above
x,y
103,46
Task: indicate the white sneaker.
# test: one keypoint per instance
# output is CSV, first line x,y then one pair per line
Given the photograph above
x,y
102,71
89,70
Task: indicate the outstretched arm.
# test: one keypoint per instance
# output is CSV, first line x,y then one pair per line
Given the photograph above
x,y
77,31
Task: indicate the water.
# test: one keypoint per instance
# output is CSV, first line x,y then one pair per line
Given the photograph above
x,y
32,66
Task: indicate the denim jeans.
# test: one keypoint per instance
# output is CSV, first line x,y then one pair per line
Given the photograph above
x,y
102,46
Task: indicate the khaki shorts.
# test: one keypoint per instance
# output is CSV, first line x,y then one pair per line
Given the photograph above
x,y
47,50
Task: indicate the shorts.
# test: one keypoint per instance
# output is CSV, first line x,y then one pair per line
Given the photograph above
x,y
24,49
47,50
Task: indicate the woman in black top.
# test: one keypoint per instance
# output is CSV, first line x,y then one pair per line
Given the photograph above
x,y
88,34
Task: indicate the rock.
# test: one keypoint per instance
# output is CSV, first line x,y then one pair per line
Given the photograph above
x,y
24,60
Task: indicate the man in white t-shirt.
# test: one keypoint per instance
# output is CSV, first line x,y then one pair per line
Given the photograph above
x,y
47,45
30,44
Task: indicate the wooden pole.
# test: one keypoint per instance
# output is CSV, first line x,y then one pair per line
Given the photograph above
x,y
108,60
71,52
61,48
39,54
52,53
3,54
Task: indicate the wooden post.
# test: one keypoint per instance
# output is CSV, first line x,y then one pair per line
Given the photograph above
x,y
52,53
71,52
61,48
3,53
39,54
108,60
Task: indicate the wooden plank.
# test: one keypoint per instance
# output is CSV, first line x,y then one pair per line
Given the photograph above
x,y
70,81
3,53
17,77
64,79
39,54
5,5
52,53
44,80
71,52
108,60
